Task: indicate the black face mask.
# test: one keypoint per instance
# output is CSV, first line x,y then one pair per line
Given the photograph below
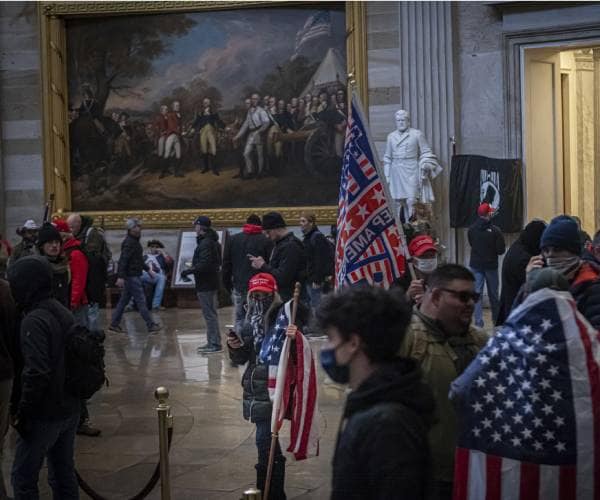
x,y
336,372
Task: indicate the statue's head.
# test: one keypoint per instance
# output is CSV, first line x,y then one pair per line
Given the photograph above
x,y
402,120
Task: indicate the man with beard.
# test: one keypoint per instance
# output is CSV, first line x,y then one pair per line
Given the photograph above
x,y
28,234
441,338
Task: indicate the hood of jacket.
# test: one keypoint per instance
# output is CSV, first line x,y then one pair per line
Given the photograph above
x,y
532,234
30,281
72,244
398,381
86,223
482,223
252,229
209,234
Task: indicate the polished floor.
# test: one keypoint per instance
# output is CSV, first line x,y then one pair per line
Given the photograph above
x,y
213,451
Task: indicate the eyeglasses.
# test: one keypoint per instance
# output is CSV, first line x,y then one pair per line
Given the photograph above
x,y
463,296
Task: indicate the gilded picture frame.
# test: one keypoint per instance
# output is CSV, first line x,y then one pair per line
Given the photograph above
x,y
57,178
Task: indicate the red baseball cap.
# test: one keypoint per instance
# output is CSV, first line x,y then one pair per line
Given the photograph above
x,y
62,226
262,282
421,244
485,209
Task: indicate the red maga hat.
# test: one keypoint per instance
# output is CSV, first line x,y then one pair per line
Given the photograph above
x,y
62,226
485,209
421,244
262,282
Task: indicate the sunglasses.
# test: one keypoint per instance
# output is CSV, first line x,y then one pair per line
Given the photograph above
x,y
463,296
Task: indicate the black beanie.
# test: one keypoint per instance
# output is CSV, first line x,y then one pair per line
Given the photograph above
x,y
47,233
563,233
272,220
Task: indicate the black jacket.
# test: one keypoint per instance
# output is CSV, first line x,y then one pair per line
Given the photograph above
x,y
382,449
585,289
487,243
237,269
8,331
514,264
38,391
319,257
131,261
256,403
98,254
206,262
287,265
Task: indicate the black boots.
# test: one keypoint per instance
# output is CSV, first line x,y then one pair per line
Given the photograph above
x,y
164,163
206,164
210,164
177,168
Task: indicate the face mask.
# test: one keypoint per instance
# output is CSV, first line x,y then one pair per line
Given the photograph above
x,y
426,265
563,264
338,373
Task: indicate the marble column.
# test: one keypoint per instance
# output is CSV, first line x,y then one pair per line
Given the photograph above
x,y
596,194
427,91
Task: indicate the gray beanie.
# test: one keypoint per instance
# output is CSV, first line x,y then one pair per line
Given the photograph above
x,y
132,222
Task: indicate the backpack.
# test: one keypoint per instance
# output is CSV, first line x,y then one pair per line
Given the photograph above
x,y
84,359
330,251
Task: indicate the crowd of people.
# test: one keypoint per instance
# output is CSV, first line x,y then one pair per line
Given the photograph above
x,y
398,350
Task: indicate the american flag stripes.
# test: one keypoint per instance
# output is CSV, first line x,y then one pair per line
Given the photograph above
x,y
317,25
370,245
292,386
529,408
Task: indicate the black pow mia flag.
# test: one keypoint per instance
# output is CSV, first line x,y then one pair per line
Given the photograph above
x,y
477,179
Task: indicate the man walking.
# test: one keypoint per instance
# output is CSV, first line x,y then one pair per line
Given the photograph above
x,y
45,414
206,264
237,269
28,234
97,251
131,265
288,262
487,244
440,337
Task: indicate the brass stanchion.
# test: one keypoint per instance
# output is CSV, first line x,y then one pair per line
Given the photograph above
x,y
252,494
165,420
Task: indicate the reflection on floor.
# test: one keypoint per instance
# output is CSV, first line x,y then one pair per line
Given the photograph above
x,y
213,452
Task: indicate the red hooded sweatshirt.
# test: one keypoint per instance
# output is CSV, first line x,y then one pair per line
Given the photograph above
x,y
78,265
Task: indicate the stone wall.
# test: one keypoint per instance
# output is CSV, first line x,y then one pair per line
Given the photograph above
x,y
20,117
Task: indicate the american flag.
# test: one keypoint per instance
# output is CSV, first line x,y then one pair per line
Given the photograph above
x,y
529,408
316,25
370,245
292,387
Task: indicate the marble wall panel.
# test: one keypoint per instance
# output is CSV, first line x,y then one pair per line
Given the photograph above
x,y
21,129
384,68
23,172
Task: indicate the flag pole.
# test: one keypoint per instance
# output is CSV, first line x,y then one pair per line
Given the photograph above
x,y
277,402
386,189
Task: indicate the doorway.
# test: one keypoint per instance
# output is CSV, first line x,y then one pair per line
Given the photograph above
x,y
561,132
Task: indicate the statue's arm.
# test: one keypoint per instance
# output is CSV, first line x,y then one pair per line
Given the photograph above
x,y
387,158
424,148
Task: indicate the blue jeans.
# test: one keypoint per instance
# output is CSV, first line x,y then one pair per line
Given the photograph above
x,y
239,299
54,439
93,314
490,278
263,445
208,303
81,316
159,282
133,288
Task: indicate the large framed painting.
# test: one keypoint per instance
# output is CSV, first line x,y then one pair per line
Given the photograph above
x,y
162,109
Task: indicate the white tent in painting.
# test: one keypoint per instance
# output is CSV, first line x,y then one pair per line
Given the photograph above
x,y
330,73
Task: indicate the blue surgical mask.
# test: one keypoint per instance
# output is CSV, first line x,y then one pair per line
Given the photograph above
x,y
336,372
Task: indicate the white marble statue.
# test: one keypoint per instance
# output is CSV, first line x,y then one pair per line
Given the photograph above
x,y
409,165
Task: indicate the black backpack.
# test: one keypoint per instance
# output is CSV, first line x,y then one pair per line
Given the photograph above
x,y
84,361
